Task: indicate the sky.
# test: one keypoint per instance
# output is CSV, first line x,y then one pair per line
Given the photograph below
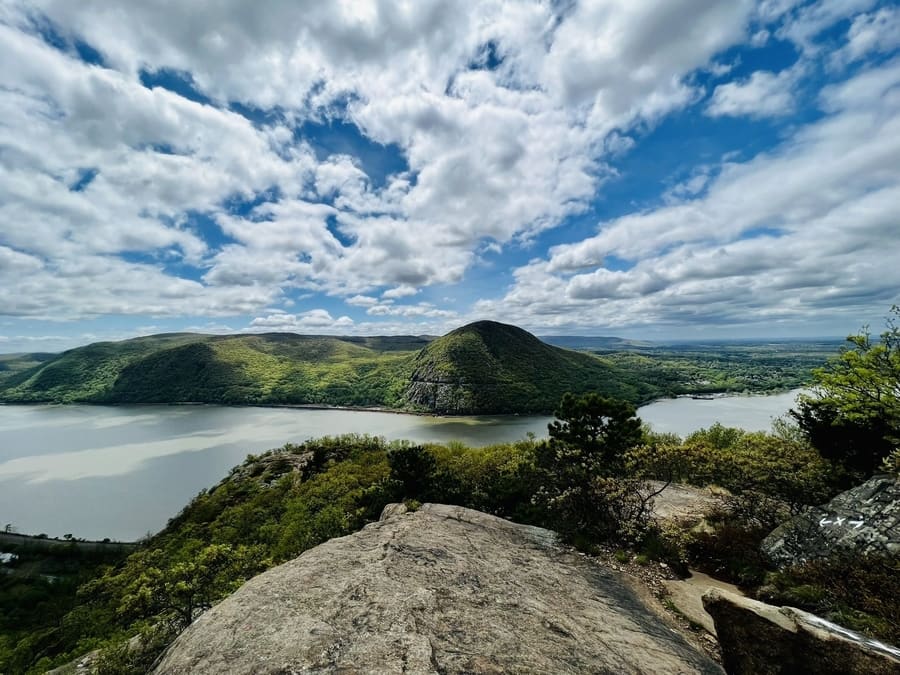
x,y
670,169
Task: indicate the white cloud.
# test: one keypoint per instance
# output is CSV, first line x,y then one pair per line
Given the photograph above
x,y
362,301
809,21
314,319
877,32
399,292
763,94
494,156
803,234
422,309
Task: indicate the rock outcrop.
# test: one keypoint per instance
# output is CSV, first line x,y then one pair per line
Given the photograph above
x,y
441,590
687,597
760,639
683,503
863,520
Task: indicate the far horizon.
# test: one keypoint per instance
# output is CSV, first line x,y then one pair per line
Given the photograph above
x,y
659,171
547,337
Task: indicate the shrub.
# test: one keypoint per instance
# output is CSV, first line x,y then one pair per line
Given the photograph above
x,y
770,475
412,471
602,509
891,463
728,548
852,415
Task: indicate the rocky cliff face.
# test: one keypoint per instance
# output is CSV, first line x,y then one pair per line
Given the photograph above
x,y
441,590
863,520
440,393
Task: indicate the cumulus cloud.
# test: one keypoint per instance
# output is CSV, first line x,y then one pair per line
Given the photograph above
x,y
494,155
312,320
877,32
422,309
763,94
808,20
767,243
502,121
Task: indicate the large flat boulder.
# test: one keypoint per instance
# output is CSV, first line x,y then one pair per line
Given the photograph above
x,y
761,639
683,502
441,590
863,520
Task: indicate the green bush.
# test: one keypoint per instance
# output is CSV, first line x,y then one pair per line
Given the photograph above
x,y
771,475
891,463
852,415
412,472
728,548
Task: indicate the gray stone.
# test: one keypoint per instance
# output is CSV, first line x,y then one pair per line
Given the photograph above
x,y
440,590
863,520
761,639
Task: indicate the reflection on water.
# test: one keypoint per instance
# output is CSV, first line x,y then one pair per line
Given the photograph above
x,y
121,472
685,415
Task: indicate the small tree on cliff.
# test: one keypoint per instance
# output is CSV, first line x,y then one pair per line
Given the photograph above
x,y
591,435
581,466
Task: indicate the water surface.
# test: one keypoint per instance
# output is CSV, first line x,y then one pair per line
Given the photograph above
x,y
121,472
685,415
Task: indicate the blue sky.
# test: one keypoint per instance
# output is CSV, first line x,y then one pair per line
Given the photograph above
x,y
662,170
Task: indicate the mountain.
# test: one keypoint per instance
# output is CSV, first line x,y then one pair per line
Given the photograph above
x,y
488,367
482,368
275,368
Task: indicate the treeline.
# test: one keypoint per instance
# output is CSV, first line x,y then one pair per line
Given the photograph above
x,y
708,368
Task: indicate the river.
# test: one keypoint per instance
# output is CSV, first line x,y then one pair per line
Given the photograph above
x,y
121,472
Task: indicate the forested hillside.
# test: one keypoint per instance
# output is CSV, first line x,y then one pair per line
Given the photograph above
x,y
484,367
278,368
497,368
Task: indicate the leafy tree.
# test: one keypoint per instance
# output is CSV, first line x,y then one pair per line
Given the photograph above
x,y
155,588
853,415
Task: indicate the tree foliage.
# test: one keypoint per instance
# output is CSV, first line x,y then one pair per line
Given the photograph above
x,y
853,414
591,435
582,490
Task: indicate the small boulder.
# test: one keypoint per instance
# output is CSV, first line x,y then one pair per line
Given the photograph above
x,y
687,597
863,520
761,639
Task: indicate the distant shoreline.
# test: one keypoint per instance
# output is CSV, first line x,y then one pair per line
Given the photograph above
x,y
17,539
700,396
300,406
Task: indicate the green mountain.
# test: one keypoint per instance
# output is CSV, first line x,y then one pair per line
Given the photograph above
x,y
490,367
275,368
485,367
